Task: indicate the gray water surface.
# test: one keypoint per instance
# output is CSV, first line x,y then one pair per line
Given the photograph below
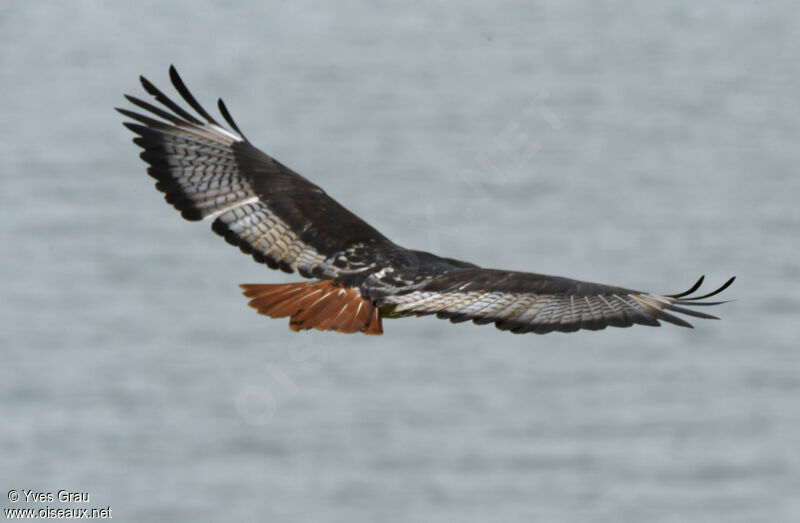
x,y
638,145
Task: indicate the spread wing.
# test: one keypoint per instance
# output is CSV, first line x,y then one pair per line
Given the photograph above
x,y
524,302
206,170
257,203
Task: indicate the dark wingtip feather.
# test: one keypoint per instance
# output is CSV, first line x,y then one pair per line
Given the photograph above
x,y
693,288
670,318
228,118
690,312
176,80
121,111
148,85
136,128
149,122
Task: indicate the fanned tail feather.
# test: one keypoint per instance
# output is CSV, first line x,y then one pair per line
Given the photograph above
x,y
321,305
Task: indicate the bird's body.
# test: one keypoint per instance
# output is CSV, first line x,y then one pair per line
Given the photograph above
x,y
285,221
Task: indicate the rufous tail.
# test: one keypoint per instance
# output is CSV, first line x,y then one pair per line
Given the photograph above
x,y
321,305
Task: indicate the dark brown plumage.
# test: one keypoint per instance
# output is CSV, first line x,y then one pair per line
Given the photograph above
x,y
283,220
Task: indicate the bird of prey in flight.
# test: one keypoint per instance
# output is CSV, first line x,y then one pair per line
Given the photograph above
x,y
359,276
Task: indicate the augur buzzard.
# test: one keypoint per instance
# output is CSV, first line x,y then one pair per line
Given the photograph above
x,y
283,220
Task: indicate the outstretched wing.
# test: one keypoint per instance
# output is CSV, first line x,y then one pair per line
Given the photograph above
x,y
258,204
523,302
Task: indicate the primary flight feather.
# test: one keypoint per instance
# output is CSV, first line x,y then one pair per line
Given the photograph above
x,y
207,171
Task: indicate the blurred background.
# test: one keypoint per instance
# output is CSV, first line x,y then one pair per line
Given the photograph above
x,y
639,145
